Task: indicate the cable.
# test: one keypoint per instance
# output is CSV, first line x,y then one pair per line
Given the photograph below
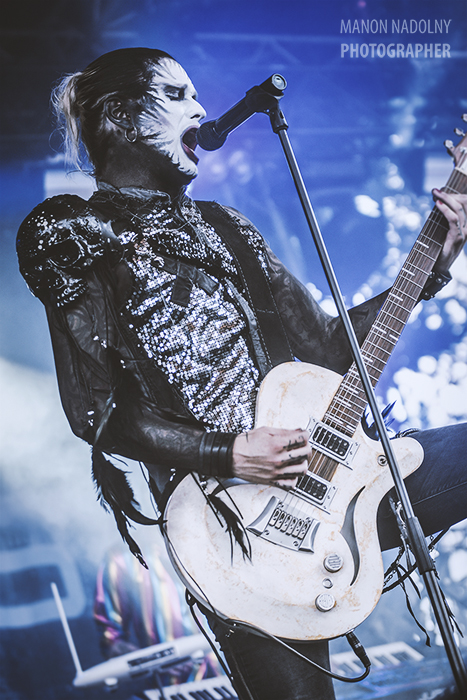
x,y
237,624
353,640
191,602
357,648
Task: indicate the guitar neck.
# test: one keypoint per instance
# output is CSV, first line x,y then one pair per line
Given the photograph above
x,y
348,404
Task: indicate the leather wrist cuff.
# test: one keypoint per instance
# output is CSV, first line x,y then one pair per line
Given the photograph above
x,y
435,282
215,454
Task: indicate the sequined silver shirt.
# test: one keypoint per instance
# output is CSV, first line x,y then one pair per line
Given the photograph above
x,y
202,348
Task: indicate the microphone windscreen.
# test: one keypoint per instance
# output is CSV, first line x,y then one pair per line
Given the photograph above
x,y
207,137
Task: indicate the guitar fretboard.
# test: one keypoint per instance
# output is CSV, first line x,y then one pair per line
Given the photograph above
x,y
346,409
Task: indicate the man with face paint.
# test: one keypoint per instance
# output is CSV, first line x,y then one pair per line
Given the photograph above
x,y
161,130
166,314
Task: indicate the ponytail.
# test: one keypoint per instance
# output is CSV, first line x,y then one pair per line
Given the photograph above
x,y
66,112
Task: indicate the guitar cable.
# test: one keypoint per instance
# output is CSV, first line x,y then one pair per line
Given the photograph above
x,y
352,639
356,645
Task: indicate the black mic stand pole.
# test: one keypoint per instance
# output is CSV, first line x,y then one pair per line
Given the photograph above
x,y
415,534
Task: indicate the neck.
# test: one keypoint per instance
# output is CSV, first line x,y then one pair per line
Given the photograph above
x,y
123,169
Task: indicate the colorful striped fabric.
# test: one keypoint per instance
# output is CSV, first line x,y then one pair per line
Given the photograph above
x,y
136,607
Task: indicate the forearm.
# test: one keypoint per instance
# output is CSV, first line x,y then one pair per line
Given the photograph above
x,y
315,336
142,432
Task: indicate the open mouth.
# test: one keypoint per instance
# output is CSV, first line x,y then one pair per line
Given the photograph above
x,y
189,143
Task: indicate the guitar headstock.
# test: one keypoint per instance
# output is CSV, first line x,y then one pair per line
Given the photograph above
x,y
459,152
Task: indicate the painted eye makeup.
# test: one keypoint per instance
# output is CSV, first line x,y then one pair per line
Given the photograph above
x,y
174,93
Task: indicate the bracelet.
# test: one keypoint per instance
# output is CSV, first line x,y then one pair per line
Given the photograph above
x,y
215,454
435,282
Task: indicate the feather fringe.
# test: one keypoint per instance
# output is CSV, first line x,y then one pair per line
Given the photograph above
x,y
115,493
233,526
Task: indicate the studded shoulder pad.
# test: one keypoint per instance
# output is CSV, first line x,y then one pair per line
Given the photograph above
x,y
56,244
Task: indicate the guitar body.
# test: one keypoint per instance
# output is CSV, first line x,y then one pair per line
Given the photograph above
x,y
310,586
315,570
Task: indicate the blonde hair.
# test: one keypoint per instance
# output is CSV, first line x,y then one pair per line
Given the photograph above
x,y
64,104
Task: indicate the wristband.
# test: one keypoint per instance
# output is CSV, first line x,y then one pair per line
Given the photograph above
x,y
215,454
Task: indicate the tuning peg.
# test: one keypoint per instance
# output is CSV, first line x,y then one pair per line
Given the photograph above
x,y
459,132
464,117
449,144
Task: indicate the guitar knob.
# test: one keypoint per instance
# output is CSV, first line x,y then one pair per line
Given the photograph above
x,y
333,563
459,132
325,602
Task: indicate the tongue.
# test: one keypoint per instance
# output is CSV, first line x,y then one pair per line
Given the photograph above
x,y
189,145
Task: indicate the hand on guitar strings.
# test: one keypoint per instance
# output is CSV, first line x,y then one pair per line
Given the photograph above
x,y
271,456
454,209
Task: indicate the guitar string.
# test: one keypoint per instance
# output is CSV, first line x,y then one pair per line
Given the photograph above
x,y
383,340
350,401
417,260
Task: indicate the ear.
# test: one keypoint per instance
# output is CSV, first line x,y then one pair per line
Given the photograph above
x,y
118,113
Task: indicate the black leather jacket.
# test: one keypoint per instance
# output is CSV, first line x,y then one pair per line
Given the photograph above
x,y
112,394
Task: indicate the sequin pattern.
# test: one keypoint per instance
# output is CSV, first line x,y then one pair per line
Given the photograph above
x,y
202,348
56,244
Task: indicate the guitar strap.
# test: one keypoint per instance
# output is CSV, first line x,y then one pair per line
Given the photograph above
x,y
269,337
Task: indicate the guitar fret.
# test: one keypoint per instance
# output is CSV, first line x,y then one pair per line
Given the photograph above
x,y
352,406
354,398
417,268
379,348
342,401
344,413
347,410
396,318
355,401
349,402
351,389
381,337
401,311
406,287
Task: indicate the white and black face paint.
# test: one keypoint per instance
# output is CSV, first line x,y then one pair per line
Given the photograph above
x,y
170,116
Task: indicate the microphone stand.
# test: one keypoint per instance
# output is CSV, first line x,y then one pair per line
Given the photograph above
x,y
415,536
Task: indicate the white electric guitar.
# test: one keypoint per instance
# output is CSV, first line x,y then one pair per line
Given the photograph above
x,y
316,569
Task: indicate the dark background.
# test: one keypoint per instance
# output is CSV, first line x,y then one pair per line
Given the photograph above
x,y
368,135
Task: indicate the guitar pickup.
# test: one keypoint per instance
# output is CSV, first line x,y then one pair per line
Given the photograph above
x,y
316,490
332,443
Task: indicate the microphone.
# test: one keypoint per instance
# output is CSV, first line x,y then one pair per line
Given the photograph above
x,y
212,135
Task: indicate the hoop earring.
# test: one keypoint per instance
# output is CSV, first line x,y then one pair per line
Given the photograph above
x,y
135,134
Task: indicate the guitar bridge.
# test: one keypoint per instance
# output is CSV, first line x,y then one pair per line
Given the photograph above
x,y
332,442
285,525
